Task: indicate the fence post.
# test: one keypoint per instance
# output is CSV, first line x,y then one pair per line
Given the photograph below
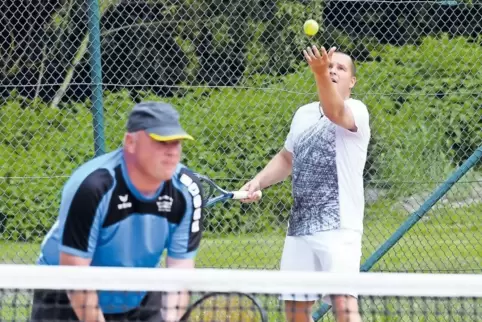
x,y
96,76
414,218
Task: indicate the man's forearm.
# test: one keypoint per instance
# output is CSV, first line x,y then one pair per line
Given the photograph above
x,y
278,169
86,306
175,303
332,103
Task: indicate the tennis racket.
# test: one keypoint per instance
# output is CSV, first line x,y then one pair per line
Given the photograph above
x,y
221,307
213,193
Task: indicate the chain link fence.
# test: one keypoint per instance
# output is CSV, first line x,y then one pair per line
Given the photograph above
x,y
235,71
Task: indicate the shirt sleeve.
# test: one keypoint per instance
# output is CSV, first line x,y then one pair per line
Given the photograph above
x,y
290,138
186,236
361,117
82,210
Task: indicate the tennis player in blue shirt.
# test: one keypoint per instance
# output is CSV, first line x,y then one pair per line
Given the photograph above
x,y
124,209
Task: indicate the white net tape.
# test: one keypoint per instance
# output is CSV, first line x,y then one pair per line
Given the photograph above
x,y
246,281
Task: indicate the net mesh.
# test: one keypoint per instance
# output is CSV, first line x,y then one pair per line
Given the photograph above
x,y
231,295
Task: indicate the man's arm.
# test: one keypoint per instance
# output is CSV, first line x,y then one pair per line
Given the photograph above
x,y
184,242
81,213
277,169
84,303
332,103
175,304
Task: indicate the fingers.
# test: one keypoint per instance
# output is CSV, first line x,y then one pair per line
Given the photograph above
x,y
245,187
255,196
307,56
312,53
316,52
308,53
331,52
250,199
252,189
323,52
253,192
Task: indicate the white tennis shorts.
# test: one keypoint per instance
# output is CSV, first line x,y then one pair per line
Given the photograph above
x,y
337,251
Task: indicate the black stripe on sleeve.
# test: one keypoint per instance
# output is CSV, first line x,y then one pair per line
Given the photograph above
x,y
83,208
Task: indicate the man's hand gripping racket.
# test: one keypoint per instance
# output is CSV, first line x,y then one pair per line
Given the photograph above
x,y
253,188
212,193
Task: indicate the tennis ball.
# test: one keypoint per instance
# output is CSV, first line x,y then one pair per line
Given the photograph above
x,y
311,27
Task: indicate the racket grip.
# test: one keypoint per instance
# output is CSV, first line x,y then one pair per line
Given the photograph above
x,y
244,194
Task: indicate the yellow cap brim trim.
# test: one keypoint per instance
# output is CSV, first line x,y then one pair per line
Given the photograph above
x,y
171,137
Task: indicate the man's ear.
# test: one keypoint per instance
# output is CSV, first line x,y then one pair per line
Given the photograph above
x,y
352,82
130,142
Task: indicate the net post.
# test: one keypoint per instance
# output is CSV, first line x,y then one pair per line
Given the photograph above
x,y
413,219
96,75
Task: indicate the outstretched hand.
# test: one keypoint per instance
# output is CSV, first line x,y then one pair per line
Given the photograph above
x,y
318,62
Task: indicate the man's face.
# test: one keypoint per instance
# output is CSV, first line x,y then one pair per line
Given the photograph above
x,y
155,159
341,73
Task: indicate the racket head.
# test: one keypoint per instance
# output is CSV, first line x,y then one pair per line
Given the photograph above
x,y
212,193
220,306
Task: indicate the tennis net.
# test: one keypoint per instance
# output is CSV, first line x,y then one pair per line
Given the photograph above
x,y
235,295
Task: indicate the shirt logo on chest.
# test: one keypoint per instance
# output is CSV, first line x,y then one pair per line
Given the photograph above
x,y
164,203
125,204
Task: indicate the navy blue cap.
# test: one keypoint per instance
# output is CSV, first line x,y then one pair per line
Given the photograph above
x,y
160,120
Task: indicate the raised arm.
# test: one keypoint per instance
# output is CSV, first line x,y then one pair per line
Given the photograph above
x,y
334,80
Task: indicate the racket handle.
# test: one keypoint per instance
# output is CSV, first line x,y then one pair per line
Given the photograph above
x,y
244,194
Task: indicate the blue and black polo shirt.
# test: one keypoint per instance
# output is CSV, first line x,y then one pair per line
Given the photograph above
x,y
105,218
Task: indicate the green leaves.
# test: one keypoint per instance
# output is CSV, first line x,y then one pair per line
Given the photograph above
x,y
425,115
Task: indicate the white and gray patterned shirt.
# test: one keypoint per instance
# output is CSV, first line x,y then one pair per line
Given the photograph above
x,y
328,163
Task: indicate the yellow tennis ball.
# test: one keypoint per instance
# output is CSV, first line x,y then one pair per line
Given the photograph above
x,y
311,27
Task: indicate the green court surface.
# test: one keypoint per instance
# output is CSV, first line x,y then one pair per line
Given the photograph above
x,y
442,241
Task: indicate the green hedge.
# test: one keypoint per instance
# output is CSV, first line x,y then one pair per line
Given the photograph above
x,y
425,115
426,109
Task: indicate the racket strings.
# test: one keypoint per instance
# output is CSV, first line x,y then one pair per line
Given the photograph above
x,y
232,307
208,190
